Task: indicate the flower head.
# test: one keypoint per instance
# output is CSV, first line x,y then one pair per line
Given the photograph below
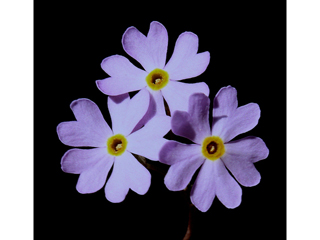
x,y
112,147
162,80
213,150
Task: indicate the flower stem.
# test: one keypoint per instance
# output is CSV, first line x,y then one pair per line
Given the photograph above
x,y
187,236
191,211
162,169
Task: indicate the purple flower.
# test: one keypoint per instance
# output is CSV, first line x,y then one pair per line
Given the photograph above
x,y
112,147
213,150
162,80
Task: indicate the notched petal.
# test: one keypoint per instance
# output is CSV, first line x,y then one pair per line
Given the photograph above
x,y
185,62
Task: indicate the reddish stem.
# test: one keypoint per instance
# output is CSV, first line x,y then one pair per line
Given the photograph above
x,y
190,222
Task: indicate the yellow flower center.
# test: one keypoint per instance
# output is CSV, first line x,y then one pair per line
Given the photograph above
x,y
157,79
117,144
213,148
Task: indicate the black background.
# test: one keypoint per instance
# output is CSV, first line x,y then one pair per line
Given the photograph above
x,y
247,43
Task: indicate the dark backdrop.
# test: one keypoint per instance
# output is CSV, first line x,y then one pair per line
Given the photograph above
x,y
247,43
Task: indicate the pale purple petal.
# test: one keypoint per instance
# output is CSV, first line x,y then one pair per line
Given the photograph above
x,y
193,124
157,39
199,111
124,76
158,100
230,121
114,86
228,190
146,146
203,190
225,102
137,109
93,178
90,129
177,94
185,62
134,43
158,126
120,66
182,125
149,51
214,179
138,176
242,120
240,156
174,152
78,160
128,113
127,173
118,106
117,186
148,140
151,112
180,174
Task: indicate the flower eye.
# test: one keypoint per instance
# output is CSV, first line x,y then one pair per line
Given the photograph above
x,y
157,79
213,148
117,144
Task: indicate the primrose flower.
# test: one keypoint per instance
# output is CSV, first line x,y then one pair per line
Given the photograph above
x,y
213,151
112,147
161,80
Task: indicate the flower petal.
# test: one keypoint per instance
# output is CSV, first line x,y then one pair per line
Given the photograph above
x,y
78,160
173,152
180,174
228,190
126,114
228,120
149,51
153,109
146,146
225,102
120,66
240,156
118,105
159,102
177,94
157,44
117,186
158,126
196,121
115,86
138,176
193,124
203,190
137,108
125,77
185,62
92,179
90,129
199,111
148,140
127,173
214,179
242,120
182,125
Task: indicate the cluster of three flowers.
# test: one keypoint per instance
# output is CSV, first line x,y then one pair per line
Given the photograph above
x,y
139,124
